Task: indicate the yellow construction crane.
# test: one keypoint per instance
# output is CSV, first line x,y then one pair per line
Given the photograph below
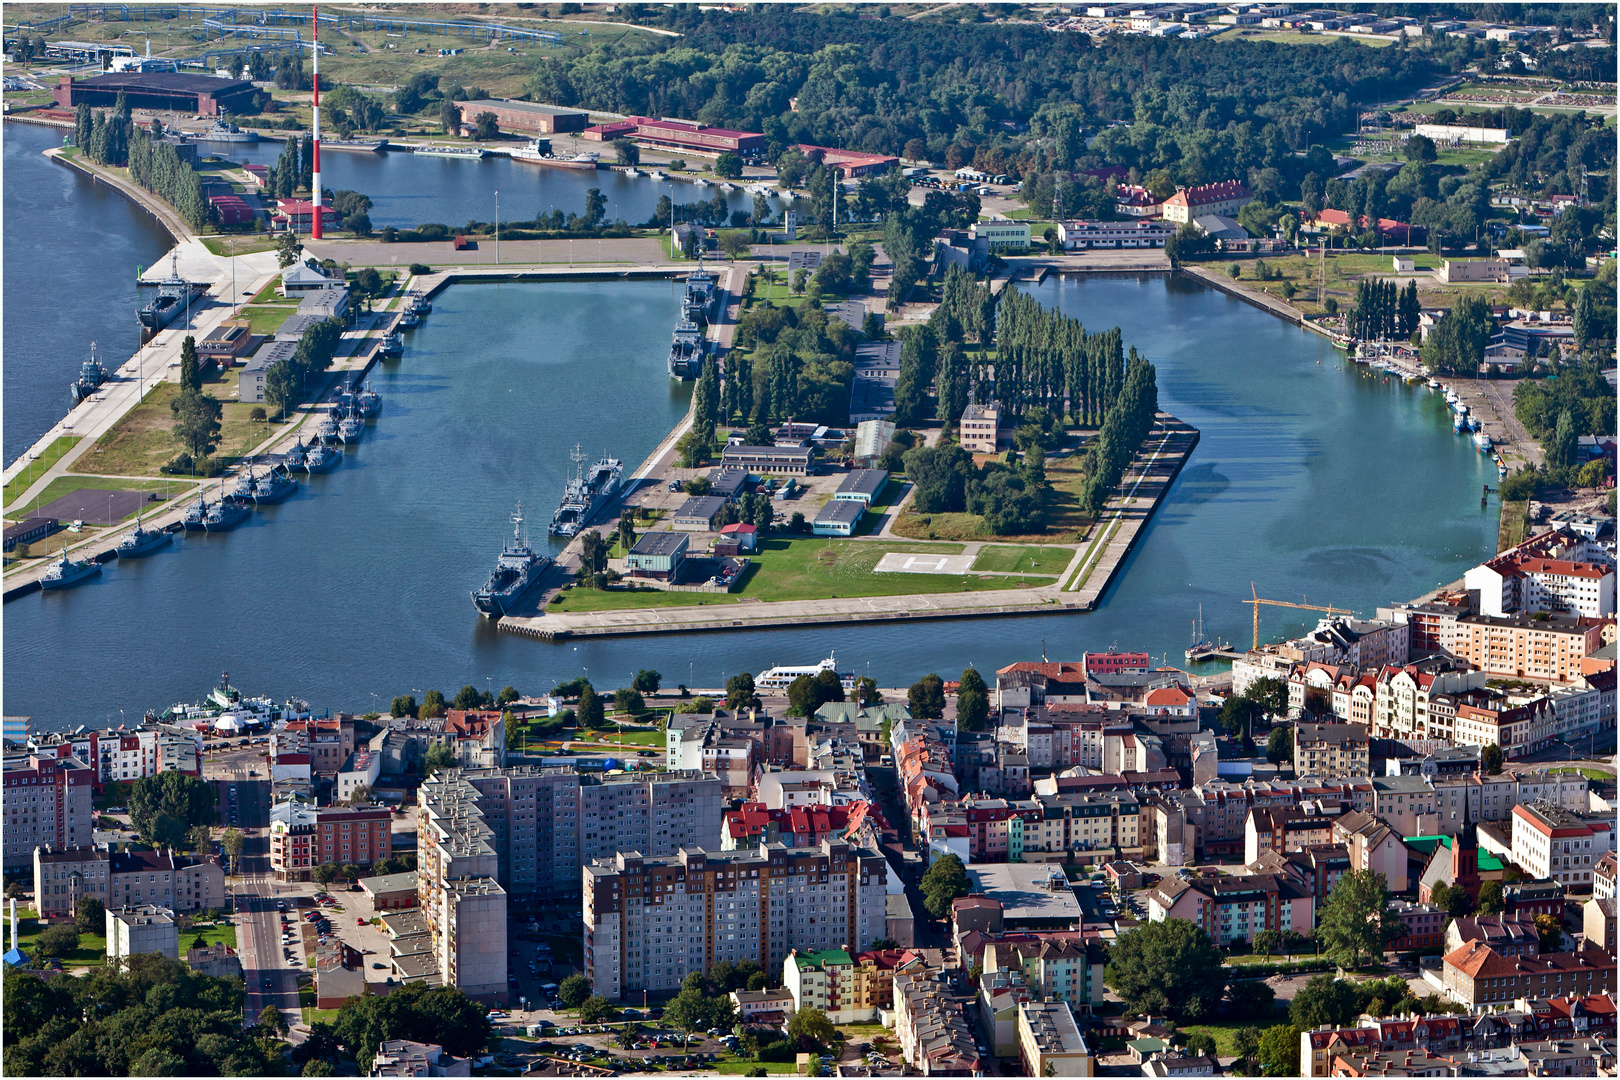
x,y
1256,602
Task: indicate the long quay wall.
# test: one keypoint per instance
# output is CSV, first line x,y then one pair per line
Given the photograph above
x,y
1087,576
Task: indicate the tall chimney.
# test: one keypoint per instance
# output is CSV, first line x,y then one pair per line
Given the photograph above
x,y
315,116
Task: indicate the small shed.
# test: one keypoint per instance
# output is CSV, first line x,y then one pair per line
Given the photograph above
x,y
862,485
697,514
839,517
389,892
658,555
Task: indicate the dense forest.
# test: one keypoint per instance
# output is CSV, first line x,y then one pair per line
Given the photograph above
x,y
972,92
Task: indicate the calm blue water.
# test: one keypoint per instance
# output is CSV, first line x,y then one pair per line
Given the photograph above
x,y
71,250
1310,479
407,190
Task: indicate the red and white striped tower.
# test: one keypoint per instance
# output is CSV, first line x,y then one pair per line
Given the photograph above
x,y
315,165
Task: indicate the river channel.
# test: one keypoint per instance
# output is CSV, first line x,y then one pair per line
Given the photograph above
x,y
1311,479
408,190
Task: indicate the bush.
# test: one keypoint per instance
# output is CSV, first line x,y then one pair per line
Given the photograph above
x,y
421,268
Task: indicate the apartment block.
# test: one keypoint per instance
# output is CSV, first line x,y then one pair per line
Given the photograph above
x,y
125,755
1551,842
1524,646
303,837
1055,967
142,928
46,800
1477,975
1049,1041
546,821
1235,909
1512,583
1286,828
931,1029
462,905
1331,750
849,988
651,920
533,814
183,883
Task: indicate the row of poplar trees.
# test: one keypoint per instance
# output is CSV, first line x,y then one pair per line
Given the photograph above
x,y
1384,312
1041,358
114,139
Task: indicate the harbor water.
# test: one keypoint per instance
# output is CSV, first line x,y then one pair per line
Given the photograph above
x,y
1311,479
72,247
407,190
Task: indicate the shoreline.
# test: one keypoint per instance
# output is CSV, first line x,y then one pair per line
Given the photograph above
x,y
1117,532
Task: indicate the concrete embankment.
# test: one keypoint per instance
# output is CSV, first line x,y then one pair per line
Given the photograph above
x,y
161,211
1079,588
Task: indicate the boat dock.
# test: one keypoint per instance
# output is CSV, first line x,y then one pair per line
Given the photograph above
x,y
1079,588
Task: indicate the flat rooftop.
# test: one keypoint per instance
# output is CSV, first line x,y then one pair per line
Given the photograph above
x,y
1022,891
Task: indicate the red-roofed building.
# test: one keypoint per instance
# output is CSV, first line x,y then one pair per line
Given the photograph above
x,y
477,736
1510,584
1170,701
258,175
1189,204
614,129
694,138
849,162
231,210
1136,202
299,214
1477,975
737,539
754,824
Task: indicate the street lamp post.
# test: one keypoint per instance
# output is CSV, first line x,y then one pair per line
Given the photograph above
x,y
497,227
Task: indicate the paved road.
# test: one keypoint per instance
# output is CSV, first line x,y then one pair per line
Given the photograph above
x,y
270,981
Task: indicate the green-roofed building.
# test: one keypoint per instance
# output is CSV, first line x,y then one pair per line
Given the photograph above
x,y
832,981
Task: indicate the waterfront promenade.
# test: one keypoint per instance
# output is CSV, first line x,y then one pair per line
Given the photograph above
x,y
1080,587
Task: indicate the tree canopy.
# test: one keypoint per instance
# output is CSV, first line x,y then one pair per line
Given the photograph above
x,y
942,883
1171,968
1356,920
163,808
153,1017
441,1014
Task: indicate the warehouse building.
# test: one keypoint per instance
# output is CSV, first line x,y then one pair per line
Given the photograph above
x,y
161,91
513,115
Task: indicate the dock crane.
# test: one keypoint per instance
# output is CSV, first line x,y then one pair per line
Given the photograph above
x,y
1256,602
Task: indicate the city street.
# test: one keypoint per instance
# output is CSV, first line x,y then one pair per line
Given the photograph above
x,y
270,981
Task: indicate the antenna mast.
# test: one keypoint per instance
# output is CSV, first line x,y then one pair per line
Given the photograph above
x,y
315,164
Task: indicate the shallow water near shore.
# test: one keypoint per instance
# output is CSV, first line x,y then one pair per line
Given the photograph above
x,y
1311,479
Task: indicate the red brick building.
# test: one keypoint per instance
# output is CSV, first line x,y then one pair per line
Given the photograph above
x,y
303,837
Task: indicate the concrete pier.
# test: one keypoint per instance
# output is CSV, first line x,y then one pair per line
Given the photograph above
x,y
1079,588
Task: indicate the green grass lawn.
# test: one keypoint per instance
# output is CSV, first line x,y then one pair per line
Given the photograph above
x,y
1005,559
213,935
803,568
141,443
36,468
1225,1035
312,1014
1294,37
244,245
1590,774
628,738
1066,522
267,318
92,950
743,1068
270,294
